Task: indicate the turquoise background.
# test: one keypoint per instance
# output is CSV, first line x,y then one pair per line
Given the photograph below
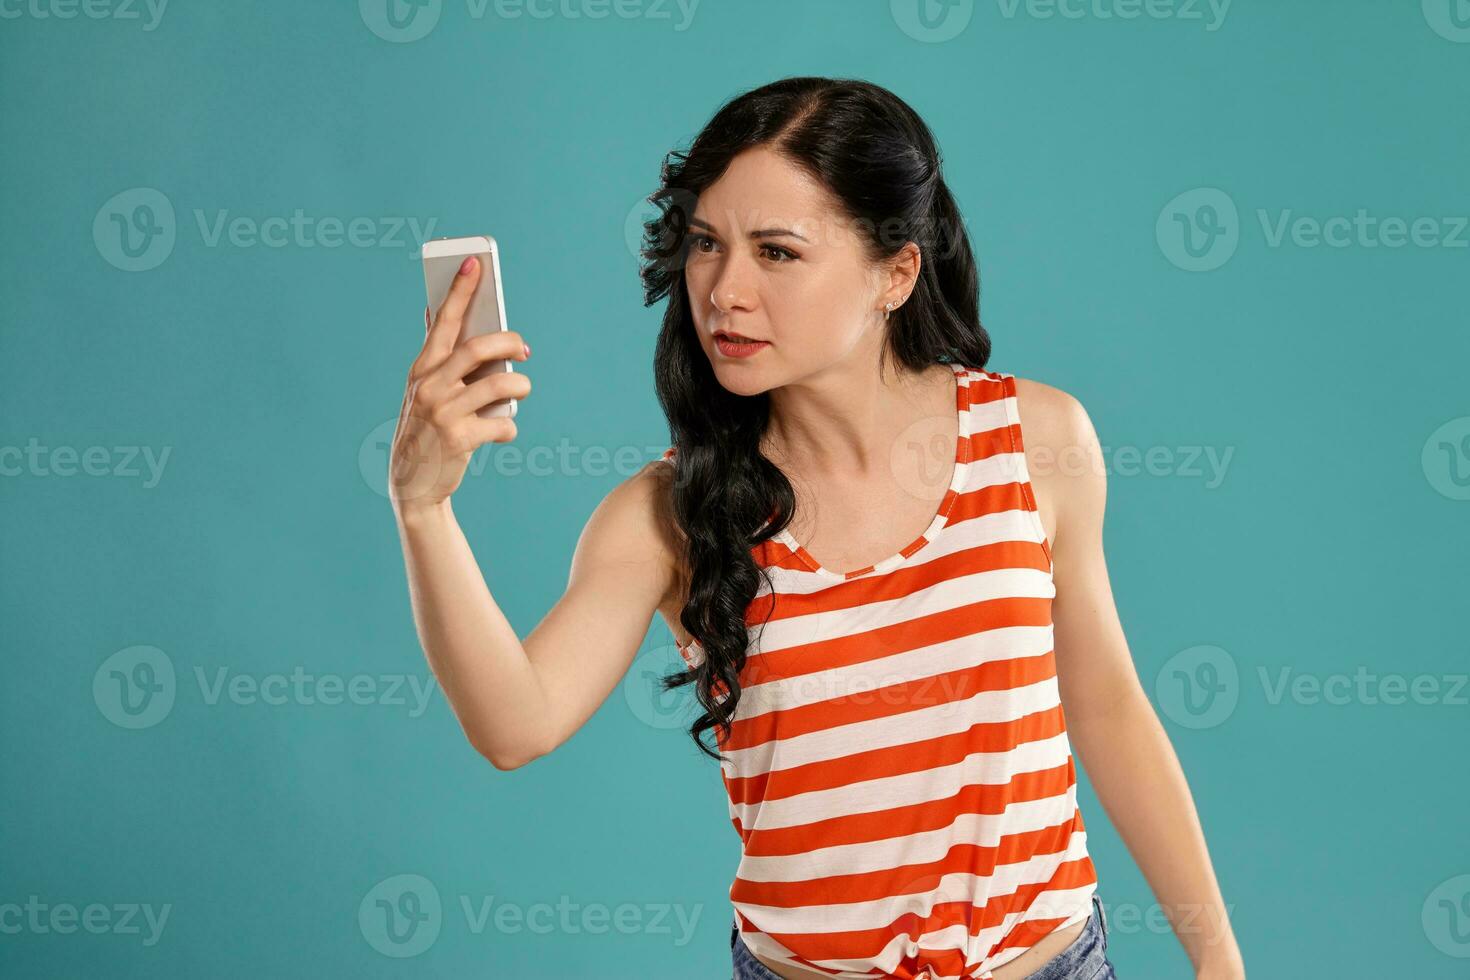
x,y
1334,376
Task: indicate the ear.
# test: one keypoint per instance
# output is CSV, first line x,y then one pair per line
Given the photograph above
x,y
901,273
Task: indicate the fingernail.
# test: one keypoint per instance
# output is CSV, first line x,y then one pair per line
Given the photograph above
x,y
527,349
467,265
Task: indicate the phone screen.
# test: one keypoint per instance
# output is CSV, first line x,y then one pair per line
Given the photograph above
x,y
486,312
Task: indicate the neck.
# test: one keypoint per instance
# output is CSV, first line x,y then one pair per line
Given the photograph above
x,y
847,420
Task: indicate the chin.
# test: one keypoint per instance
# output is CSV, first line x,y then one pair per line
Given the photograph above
x,y
743,379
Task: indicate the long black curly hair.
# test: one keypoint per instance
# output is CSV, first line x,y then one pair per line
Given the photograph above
x,y
877,157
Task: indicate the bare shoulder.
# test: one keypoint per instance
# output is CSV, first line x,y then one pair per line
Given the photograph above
x,y
633,526
1063,456
1051,418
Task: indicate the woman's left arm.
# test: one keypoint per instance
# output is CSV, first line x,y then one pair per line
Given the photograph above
x,y
1113,728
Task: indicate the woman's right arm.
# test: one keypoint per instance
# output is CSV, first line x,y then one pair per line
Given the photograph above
x,y
515,700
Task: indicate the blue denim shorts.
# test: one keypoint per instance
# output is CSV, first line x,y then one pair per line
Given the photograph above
x,y
1086,958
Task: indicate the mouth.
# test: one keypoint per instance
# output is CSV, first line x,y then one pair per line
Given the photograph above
x,y
736,338
736,345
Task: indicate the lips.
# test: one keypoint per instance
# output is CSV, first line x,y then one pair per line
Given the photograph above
x,y
731,344
734,338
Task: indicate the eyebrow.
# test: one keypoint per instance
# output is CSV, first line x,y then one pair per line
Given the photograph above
x,y
758,233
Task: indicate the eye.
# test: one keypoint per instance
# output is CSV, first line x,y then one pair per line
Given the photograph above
x,y
775,252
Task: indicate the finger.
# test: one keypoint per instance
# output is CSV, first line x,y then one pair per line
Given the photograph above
x,y
428,321
444,331
501,428
501,345
497,387
442,328
410,393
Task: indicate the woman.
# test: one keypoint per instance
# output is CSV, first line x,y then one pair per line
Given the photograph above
x,y
882,591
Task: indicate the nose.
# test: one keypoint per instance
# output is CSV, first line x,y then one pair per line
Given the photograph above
x,y
731,289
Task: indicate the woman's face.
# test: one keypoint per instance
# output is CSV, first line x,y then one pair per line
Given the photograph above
x,y
770,257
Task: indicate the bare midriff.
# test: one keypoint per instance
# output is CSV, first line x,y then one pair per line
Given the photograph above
x,y
1017,969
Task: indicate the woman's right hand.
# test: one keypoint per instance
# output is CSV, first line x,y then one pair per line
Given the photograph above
x,y
438,428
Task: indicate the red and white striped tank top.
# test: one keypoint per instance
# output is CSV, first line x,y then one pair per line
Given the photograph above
x,y
899,769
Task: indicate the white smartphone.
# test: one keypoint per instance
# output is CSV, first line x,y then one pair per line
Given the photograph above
x,y
486,312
